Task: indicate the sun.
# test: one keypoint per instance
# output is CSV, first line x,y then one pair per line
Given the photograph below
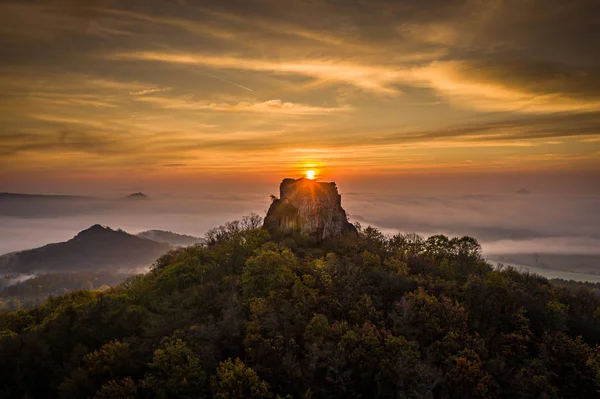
x,y
310,174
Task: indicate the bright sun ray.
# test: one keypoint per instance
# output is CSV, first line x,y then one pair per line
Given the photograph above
x,y
310,174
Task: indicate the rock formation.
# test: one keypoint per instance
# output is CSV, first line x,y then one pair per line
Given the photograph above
x,y
308,208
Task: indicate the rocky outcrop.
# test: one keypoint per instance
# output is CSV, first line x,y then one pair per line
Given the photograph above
x,y
308,208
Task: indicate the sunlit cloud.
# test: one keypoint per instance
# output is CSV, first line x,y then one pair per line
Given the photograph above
x,y
471,85
461,83
232,88
371,78
269,106
149,91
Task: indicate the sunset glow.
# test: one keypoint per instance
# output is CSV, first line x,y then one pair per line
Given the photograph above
x,y
299,198
180,94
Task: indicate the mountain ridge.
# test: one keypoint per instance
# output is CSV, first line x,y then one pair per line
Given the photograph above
x,y
97,247
169,237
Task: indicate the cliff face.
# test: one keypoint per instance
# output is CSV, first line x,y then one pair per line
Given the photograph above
x,y
308,208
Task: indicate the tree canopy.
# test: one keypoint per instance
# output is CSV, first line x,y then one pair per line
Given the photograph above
x,y
367,316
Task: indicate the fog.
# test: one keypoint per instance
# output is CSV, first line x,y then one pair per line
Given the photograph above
x,y
33,221
518,224
510,223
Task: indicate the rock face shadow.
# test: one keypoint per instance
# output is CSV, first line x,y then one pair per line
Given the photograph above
x,y
308,209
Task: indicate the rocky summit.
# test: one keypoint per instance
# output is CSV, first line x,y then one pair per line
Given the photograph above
x,y
309,209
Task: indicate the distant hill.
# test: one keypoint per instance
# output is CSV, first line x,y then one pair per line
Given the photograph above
x,y
138,196
98,247
168,237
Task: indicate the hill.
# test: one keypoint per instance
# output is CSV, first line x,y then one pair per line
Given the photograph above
x,y
168,237
95,248
137,196
362,315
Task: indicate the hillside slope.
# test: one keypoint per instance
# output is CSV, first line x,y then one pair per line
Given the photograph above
x,y
95,248
168,237
363,316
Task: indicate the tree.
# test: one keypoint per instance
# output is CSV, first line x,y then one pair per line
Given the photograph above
x,y
118,389
249,315
271,268
112,361
174,371
235,380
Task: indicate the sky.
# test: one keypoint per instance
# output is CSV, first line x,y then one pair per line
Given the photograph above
x,y
102,97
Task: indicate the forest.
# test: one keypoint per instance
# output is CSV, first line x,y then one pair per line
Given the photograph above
x,y
364,316
33,291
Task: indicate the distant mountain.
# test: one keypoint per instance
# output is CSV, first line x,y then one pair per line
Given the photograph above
x,y
96,248
138,196
168,237
523,191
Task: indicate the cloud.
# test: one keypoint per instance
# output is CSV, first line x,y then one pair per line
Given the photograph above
x,y
370,78
515,86
202,28
266,107
382,86
50,20
149,91
485,85
67,141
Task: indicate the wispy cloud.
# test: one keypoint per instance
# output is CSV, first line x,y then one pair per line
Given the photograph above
x,y
229,82
488,86
479,86
371,78
174,165
189,25
149,91
276,106
264,85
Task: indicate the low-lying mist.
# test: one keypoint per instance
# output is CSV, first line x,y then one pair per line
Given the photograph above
x,y
512,223
509,224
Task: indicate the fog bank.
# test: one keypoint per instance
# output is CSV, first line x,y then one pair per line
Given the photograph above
x,y
503,223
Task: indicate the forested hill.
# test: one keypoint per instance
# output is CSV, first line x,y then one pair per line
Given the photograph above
x,y
168,237
363,316
97,247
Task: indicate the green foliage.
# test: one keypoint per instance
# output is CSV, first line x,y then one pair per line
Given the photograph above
x,y
174,371
122,389
235,380
34,290
367,316
112,360
271,268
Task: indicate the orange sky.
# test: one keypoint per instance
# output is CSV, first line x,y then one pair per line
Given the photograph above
x,y
123,93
